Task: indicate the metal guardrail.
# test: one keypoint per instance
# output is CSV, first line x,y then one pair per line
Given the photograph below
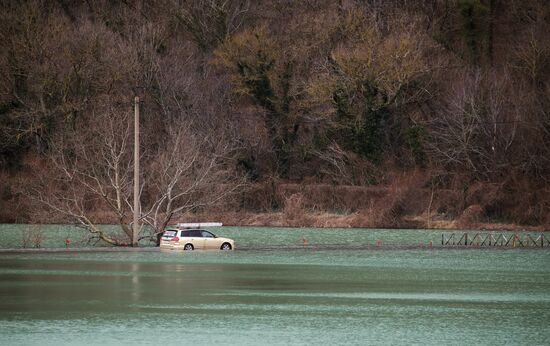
x,y
495,239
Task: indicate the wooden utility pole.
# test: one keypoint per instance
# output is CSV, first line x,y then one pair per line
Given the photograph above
x,y
135,229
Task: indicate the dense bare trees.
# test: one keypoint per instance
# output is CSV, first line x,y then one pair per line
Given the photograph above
x,y
260,70
328,91
211,21
367,78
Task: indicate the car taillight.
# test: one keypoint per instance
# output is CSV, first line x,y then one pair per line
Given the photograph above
x,y
175,239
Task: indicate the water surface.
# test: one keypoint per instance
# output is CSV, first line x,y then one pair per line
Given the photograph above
x,y
383,297
54,236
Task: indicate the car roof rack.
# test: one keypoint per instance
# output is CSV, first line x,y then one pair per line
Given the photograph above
x,y
199,224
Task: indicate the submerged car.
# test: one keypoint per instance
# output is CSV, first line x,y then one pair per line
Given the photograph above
x,y
194,239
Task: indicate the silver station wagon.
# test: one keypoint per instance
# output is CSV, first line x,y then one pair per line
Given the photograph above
x,y
194,239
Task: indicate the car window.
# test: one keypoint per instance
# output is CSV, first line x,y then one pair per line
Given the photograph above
x,y
207,234
170,233
185,234
196,233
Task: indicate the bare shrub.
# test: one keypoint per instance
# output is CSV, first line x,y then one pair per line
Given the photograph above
x,y
472,215
341,199
294,206
404,196
32,236
447,204
345,167
367,217
392,208
261,197
295,214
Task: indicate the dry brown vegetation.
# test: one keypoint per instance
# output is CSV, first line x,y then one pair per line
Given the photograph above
x,y
32,236
335,113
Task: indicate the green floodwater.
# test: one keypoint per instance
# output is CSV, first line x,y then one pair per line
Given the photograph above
x,y
54,236
377,297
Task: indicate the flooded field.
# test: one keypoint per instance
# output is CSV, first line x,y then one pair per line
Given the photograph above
x,y
54,236
382,297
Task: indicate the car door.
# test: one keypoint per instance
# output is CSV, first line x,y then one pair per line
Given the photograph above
x,y
197,240
210,241
183,238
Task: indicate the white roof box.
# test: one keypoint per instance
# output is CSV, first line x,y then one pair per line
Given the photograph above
x,y
200,224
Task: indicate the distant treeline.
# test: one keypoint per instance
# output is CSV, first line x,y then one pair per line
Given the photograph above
x,y
310,92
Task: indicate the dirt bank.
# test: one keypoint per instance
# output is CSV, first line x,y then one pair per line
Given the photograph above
x,y
354,220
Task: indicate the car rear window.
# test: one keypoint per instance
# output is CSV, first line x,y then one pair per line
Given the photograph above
x,y
185,234
196,234
169,233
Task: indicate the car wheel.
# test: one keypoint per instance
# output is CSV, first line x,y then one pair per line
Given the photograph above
x,y
188,247
226,246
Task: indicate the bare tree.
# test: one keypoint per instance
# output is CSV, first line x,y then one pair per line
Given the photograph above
x,y
192,171
477,128
91,169
92,172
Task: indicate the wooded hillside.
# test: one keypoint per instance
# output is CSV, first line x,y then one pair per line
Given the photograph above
x,y
387,113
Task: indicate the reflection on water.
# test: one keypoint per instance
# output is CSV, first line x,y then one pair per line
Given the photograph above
x,y
291,297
